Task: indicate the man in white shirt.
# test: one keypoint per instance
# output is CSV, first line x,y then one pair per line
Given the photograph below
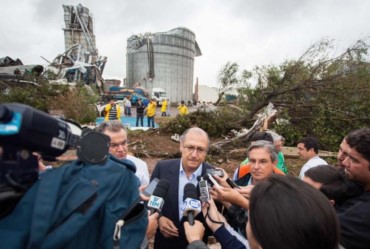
x,y
119,147
308,149
127,104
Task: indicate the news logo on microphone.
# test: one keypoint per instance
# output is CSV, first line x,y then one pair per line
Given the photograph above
x,y
190,204
155,202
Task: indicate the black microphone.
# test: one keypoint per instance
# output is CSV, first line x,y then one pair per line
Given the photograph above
x,y
209,178
212,180
156,201
231,183
191,205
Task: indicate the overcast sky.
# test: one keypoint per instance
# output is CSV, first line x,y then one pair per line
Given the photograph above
x,y
249,32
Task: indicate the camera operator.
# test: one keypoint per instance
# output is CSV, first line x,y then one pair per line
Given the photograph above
x,y
89,196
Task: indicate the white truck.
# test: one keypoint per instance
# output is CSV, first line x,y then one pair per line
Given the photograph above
x,y
159,95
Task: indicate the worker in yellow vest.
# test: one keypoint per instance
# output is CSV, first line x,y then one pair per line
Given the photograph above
x,y
164,107
150,112
183,109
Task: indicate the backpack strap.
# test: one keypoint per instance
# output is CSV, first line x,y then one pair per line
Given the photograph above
x,y
133,212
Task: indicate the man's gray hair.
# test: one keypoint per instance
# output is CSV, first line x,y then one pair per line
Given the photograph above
x,y
275,136
268,146
195,130
110,125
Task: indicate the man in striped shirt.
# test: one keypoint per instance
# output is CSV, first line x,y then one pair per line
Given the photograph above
x,y
112,111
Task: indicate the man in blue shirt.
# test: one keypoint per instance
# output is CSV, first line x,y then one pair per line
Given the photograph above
x,y
194,144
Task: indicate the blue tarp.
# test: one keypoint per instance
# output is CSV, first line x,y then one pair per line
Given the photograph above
x,y
127,121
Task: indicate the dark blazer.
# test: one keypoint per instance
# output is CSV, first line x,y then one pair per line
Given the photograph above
x,y
140,108
170,170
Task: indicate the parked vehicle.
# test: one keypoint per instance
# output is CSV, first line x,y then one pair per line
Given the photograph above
x,y
135,97
159,95
120,93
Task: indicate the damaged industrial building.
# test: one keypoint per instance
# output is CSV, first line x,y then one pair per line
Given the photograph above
x,y
161,60
80,62
164,60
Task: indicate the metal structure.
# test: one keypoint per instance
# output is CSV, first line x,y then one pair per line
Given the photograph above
x,y
163,60
79,28
80,60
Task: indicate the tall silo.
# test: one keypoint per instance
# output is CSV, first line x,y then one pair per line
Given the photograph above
x,y
163,60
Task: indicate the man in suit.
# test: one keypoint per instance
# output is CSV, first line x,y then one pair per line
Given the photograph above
x,y
194,144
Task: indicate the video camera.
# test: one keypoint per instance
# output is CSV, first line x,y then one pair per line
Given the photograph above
x,y
24,130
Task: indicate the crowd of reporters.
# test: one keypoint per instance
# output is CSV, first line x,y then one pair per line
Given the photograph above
x,y
259,206
328,208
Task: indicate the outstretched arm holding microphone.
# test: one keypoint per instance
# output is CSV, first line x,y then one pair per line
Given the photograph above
x,y
226,190
228,238
155,203
236,202
233,196
194,234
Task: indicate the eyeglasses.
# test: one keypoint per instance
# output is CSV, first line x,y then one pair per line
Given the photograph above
x,y
190,149
115,146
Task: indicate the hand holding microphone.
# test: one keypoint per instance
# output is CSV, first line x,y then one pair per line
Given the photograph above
x,y
212,216
194,232
221,176
152,224
156,201
191,206
229,195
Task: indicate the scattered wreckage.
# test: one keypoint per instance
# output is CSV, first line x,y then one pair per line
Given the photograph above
x,y
14,73
74,65
262,121
80,61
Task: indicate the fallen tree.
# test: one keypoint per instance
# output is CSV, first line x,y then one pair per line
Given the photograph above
x,y
244,136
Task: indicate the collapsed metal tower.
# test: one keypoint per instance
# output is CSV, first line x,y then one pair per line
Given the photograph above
x,y
80,60
79,28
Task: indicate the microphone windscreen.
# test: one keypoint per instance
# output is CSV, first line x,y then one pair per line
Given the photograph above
x,y
206,177
93,148
190,191
162,188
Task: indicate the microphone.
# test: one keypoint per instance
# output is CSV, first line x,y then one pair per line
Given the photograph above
x,y
191,205
212,180
209,177
231,183
156,201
